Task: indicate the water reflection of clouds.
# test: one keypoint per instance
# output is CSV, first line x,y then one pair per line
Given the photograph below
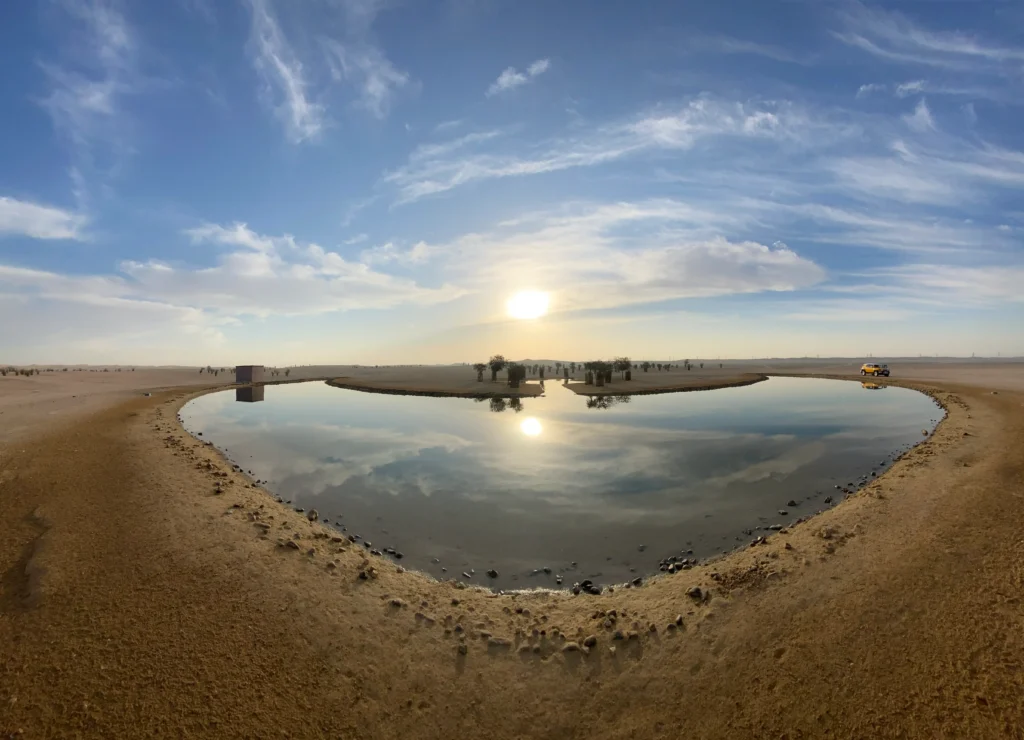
x,y
446,478
653,458
597,474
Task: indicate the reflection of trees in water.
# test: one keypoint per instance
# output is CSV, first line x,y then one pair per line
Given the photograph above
x,y
605,402
497,405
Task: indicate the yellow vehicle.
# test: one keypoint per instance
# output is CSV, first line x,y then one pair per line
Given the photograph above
x,y
871,386
871,368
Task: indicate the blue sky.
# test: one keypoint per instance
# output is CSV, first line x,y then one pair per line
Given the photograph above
x,y
370,180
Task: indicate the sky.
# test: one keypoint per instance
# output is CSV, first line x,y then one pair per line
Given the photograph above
x,y
370,181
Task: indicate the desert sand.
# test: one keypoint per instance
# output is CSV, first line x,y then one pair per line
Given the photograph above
x,y
136,600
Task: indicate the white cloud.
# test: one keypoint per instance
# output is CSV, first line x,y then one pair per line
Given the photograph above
x,y
278,275
354,208
511,78
869,88
93,318
962,284
730,45
938,169
381,254
914,87
366,66
285,85
87,84
921,87
21,217
584,258
448,125
507,80
160,306
921,120
358,60
538,67
434,169
893,36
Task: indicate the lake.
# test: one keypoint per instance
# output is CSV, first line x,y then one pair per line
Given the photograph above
x,y
552,490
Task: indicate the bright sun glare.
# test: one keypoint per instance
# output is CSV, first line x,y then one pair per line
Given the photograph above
x,y
530,427
528,304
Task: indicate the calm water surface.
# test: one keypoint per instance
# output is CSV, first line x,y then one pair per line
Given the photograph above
x,y
456,484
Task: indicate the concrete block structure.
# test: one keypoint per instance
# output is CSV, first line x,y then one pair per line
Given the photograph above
x,y
249,374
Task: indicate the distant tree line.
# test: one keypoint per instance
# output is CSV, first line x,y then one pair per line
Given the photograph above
x,y
596,372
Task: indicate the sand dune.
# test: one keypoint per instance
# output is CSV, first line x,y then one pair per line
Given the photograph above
x,y
136,600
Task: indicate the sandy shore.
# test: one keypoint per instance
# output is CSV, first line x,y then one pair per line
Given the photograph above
x,y
136,600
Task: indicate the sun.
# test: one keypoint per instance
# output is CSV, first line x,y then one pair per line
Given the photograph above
x,y
527,304
530,427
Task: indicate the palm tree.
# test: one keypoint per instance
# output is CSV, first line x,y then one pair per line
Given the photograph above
x,y
498,362
480,367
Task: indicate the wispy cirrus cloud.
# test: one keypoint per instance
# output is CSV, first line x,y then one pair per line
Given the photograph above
x,y
967,89
921,119
870,88
24,218
437,168
931,167
731,45
87,84
285,87
354,57
511,78
895,37
370,70
929,284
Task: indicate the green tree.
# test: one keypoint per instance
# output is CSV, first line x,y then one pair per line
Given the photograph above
x,y
621,365
480,367
497,363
